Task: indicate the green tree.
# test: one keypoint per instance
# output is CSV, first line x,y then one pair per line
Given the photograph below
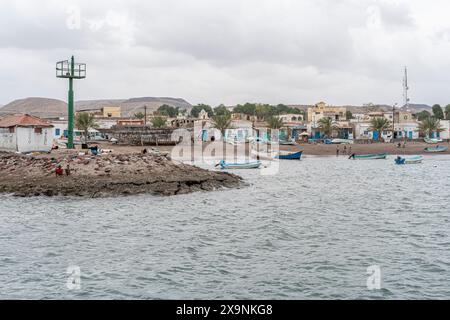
x,y
438,112
447,112
198,108
274,122
349,115
167,111
85,122
326,126
221,111
430,125
222,122
379,125
139,115
158,122
423,115
248,108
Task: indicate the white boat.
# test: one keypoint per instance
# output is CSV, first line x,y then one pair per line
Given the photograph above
x,y
243,165
409,160
342,141
433,140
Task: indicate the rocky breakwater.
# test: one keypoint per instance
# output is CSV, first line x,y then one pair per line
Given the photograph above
x,y
106,176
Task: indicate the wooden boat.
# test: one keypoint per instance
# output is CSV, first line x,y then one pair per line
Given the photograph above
x,y
243,165
380,156
436,149
410,160
432,141
283,155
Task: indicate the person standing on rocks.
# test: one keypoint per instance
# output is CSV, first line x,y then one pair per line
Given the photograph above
x,y
68,170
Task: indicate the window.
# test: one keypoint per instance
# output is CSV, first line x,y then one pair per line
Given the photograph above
x,y
109,115
57,132
38,130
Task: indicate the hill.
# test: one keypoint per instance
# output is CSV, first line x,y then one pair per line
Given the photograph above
x,y
39,107
53,108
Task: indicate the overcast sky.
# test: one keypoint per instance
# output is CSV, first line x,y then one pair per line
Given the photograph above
x,y
229,51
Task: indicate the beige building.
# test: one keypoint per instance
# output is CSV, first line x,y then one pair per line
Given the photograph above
x,y
321,110
105,112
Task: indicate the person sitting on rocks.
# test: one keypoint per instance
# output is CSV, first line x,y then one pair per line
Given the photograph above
x,y
59,171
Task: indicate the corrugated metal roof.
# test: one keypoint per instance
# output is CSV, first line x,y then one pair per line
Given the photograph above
x,y
23,120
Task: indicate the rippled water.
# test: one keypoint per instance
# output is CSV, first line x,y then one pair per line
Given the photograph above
x,y
309,232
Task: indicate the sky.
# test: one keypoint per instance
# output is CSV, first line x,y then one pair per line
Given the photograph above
x,y
343,52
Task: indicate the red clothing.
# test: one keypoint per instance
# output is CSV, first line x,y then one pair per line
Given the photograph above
x,y
59,171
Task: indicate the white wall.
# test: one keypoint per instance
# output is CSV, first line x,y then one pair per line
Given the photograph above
x,y
445,134
29,141
7,140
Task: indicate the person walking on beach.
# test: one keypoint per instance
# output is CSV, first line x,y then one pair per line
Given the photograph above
x,y
337,151
345,149
350,150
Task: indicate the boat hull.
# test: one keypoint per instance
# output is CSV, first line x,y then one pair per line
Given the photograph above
x,y
436,149
381,156
290,156
412,160
246,165
432,141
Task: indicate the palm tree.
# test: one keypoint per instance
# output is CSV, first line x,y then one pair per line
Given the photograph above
x,y
326,126
379,125
274,123
222,122
85,122
430,125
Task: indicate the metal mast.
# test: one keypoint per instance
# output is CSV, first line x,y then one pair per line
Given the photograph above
x,y
70,70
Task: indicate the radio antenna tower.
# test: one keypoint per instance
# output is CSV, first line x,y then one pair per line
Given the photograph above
x,y
405,89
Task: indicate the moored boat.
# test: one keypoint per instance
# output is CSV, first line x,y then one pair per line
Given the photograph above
x,y
380,156
241,165
436,149
285,155
432,141
409,160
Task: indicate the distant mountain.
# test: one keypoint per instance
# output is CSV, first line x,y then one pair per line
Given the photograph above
x,y
52,108
39,107
416,108
134,105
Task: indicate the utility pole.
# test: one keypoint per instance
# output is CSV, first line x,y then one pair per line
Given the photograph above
x,y
405,89
145,115
70,70
393,122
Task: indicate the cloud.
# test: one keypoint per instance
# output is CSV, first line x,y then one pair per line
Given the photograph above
x,y
340,51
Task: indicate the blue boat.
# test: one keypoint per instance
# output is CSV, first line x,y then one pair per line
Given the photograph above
x,y
243,165
436,149
409,160
289,155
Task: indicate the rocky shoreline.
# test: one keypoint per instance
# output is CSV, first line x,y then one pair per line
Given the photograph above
x,y
106,176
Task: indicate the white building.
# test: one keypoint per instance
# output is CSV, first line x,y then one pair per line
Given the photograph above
x,y
445,133
24,133
240,130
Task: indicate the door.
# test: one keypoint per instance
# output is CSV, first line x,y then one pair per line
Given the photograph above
x,y
376,135
205,135
411,135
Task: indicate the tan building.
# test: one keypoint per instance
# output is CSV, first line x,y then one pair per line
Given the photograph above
x,y
105,112
321,110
